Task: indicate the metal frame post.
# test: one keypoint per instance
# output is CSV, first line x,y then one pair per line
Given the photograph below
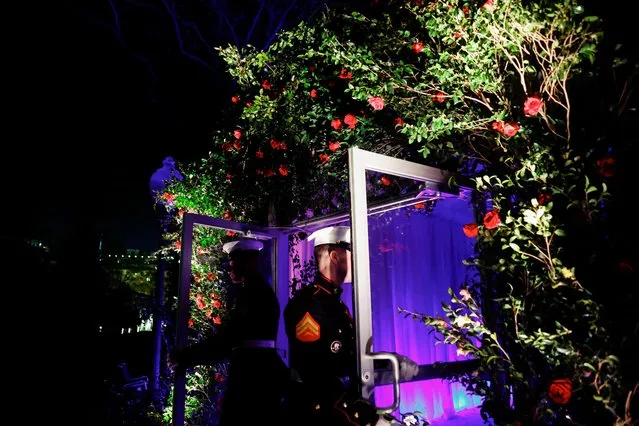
x,y
361,161
361,271
181,333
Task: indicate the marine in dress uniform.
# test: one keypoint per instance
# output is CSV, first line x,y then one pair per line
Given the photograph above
x,y
257,375
321,338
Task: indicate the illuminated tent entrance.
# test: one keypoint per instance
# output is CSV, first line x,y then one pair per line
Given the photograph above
x,y
407,252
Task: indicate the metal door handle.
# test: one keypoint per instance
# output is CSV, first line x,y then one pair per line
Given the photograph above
x,y
395,369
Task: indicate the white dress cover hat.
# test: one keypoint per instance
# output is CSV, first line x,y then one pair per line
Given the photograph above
x,y
247,244
331,235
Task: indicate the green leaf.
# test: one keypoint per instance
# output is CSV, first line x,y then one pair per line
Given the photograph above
x,y
492,358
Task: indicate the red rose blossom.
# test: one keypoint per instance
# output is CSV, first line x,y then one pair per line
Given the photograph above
x,y
532,105
507,129
376,103
275,144
489,5
543,199
350,120
492,220
471,230
510,129
560,391
606,166
439,97
344,74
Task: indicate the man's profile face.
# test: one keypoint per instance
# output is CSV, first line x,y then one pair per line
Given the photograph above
x,y
234,271
349,266
242,266
342,264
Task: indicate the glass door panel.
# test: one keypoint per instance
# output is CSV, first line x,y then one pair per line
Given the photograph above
x,y
408,250
196,259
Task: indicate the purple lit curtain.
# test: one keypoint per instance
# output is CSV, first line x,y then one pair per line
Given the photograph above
x,y
415,256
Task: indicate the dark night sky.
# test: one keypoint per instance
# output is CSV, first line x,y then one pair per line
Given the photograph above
x,y
103,127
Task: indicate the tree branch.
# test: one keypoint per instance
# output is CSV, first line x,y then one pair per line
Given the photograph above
x,y
116,30
116,17
279,26
626,94
231,29
197,31
254,23
170,8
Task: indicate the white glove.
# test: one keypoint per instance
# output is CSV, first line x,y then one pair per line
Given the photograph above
x,y
381,421
407,368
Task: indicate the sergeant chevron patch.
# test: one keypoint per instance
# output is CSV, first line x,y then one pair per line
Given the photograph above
x,y
307,330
